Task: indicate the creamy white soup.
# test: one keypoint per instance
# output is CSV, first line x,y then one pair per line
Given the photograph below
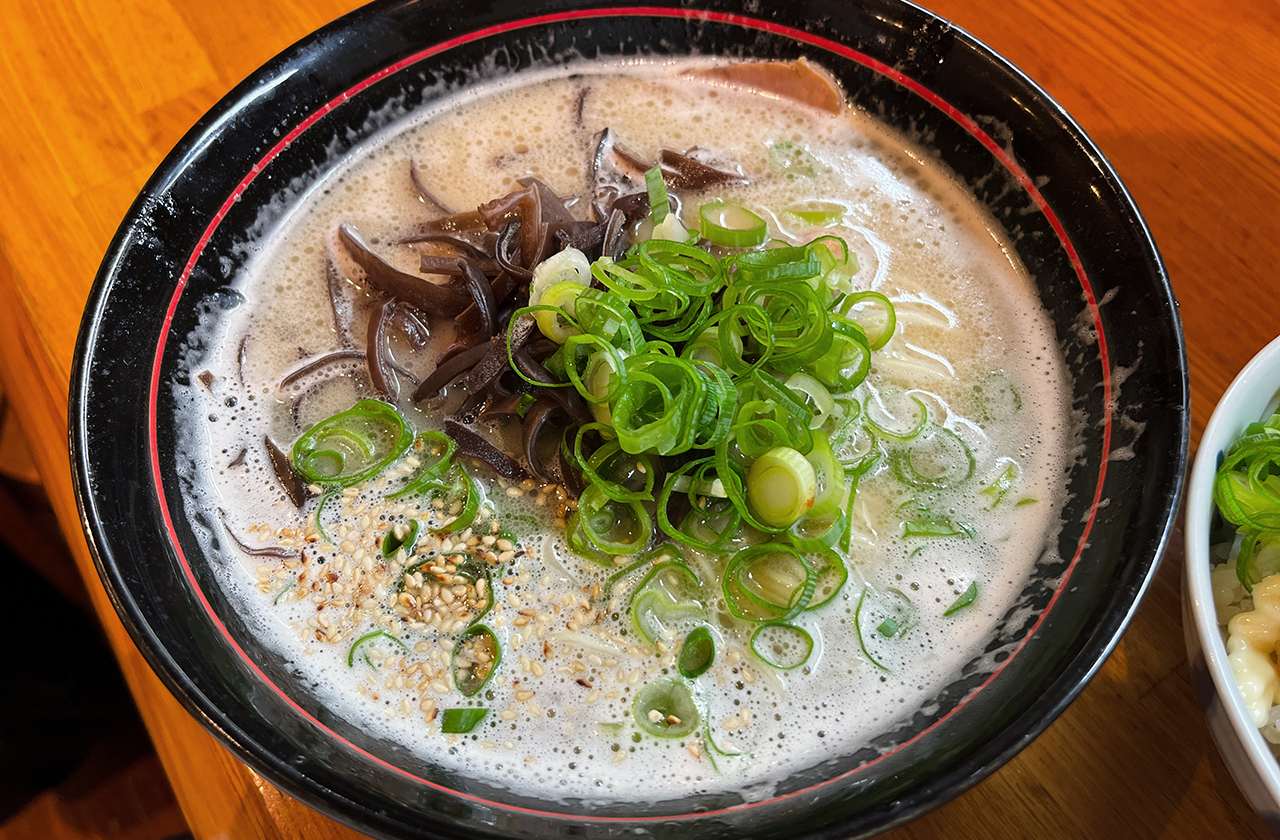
x,y
957,440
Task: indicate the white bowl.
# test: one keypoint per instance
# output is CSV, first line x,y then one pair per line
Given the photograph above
x,y
1247,754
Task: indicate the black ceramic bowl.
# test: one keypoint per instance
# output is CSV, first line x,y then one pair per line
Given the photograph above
x,y
1072,223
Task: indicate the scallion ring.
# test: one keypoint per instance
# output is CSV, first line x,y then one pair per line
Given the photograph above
x,y
369,637
732,225
665,708
476,657
697,654
781,645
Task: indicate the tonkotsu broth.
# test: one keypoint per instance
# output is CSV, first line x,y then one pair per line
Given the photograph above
x,y
559,723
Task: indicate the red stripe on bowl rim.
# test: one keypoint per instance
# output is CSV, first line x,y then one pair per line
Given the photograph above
x,y
969,125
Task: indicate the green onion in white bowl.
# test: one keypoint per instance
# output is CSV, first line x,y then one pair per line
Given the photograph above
x,y
1251,398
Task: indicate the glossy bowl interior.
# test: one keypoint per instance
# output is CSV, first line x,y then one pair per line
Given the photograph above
x,y
1251,397
1071,221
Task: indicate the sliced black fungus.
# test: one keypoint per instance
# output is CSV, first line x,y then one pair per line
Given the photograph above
x,y
509,382
495,362
403,372
471,409
570,478
465,231
566,398
502,285
241,352
259,551
614,240
205,378
473,445
613,165
239,459
507,406
634,206
386,278
438,264
489,367
294,486
482,292
407,322
536,206
579,106
682,172
340,302
377,354
449,370
584,236
507,251
415,175
539,414
315,365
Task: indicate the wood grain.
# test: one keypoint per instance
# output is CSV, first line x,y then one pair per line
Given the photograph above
x,y
1179,94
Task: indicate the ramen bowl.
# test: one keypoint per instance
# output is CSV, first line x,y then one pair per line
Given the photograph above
x,y
1251,760
169,274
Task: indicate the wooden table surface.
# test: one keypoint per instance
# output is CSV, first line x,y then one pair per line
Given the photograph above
x,y
1179,94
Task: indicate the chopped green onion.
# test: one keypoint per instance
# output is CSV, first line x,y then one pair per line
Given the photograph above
x,y
653,558
732,225
1259,557
629,470
781,645
368,637
966,598
794,159
889,320
652,610
668,593
937,458
567,266
830,577
707,539
396,540
897,415
857,625
461,721
332,494
697,653
830,489
768,582
437,450
607,525
939,527
461,484
888,628
998,488
659,204
995,399
552,323
476,657
665,708
817,213
352,445
781,485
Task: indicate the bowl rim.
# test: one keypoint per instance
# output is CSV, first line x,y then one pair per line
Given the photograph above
x,y
1246,399
1077,671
